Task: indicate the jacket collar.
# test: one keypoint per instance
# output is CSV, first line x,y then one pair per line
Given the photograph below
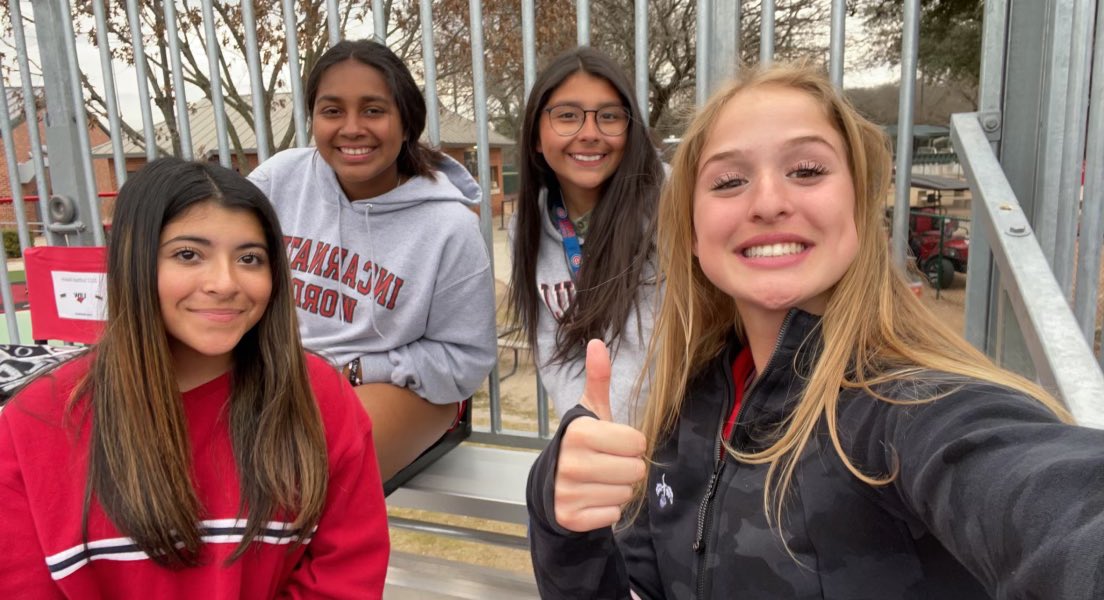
x,y
777,388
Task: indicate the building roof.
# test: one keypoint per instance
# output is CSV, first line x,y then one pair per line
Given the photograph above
x,y
936,182
920,131
14,96
456,131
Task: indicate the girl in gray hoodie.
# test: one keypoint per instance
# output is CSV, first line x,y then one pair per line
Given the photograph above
x,y
583,237
391,276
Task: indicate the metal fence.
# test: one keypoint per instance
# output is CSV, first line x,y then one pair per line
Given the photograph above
x,y
1056,349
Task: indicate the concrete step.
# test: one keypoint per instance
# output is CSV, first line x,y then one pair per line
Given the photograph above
x,y
412,577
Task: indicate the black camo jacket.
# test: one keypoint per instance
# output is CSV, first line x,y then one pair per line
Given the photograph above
x,y
994,498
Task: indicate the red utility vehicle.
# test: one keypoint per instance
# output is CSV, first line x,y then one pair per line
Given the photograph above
x,y
938,244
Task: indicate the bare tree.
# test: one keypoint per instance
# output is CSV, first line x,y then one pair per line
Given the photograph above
x,y
800,25
311,36
949,48
800,29
503,66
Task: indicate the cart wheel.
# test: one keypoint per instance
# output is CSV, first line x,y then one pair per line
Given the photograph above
x,y
939,280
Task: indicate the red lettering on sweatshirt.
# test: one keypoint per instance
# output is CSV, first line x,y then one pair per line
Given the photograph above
x,y
299,262
350,276
558,297
322,301
310,298
333,268
338,264
321,249
364,286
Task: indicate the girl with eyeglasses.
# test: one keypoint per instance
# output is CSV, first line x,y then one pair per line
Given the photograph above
x,y
583,235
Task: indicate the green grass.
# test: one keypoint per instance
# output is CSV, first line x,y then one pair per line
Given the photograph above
x,y
17,276
23,321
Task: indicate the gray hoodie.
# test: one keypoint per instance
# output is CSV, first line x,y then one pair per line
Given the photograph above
x,y
565,381
401,281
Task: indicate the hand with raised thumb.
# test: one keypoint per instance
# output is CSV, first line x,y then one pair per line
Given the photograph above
x,y
599,460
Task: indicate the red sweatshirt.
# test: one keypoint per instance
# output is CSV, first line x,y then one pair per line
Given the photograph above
x,y
44,467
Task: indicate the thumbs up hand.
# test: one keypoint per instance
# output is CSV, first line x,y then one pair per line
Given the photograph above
x,y
599,460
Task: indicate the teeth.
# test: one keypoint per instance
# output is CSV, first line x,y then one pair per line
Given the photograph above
x,y
587,157
355,151
773,250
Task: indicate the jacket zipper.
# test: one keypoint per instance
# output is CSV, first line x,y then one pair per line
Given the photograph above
x,y
705,512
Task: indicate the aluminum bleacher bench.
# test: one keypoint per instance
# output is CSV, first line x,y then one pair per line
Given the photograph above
x,y
470,480
475,481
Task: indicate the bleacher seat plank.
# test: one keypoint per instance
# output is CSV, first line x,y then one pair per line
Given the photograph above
x,y
475,481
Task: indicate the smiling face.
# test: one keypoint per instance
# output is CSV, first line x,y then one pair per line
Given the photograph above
x,y
213,282
774,203
357,129
584,160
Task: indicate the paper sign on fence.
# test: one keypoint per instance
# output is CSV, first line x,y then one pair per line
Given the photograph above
x,y
80,295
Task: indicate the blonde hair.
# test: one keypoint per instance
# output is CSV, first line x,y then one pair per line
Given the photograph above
x,y
874,329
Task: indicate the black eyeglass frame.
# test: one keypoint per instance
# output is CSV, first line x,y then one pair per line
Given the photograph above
x,y
597,123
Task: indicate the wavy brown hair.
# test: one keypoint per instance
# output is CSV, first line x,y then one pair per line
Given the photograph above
x,y
875,331
140,456
622,230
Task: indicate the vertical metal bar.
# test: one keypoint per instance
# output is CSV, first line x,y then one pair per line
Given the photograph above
x,y
542,410
1073,144
140,69
1092,212
17,199
109,92
8,303
216,84
701,53
483,155
333,24
906,107
30,110
981,279
835,52
183,121
1044,216
725,53
739,35
640,41
528,44
256,84
429,62
84,150
766,34
582,22
379,21
295,74
529,54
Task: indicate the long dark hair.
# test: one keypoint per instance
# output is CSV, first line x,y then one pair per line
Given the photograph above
x,y
415,158
140,456
622,229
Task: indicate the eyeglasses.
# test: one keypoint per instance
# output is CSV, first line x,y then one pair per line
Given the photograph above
x,y
567,119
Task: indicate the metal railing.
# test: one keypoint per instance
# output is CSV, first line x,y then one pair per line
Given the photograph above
x,y
1062,358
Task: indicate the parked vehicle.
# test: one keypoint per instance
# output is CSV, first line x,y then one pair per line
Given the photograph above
x,y
938,245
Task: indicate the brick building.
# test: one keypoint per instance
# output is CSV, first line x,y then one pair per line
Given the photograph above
x,y
24,177
458,140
